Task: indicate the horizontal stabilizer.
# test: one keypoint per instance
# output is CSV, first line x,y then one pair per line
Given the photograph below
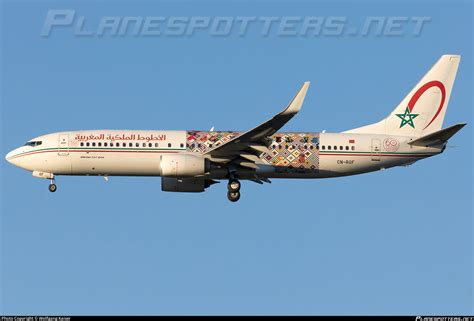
x,y
437,138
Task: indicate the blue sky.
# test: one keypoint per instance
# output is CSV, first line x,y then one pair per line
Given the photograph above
x,y
393,242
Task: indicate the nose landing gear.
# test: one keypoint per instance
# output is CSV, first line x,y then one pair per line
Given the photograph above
x,y
233,190
52,187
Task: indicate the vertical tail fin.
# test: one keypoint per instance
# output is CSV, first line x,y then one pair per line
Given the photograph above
x,y
422,111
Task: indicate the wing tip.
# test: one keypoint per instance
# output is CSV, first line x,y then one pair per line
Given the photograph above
x,y
297,101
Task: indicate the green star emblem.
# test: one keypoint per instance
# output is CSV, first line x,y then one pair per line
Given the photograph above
x,y
407,118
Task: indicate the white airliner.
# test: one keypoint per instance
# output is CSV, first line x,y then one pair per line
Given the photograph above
x,y
191,161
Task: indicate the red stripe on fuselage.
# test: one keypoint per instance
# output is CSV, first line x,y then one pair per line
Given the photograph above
x,y
171,152
94,151
380,155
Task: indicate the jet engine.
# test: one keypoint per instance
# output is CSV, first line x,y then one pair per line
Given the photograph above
x,y
169,184
182,165
196,185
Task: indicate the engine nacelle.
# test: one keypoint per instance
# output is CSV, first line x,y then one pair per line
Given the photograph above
x,y
192,185
182,165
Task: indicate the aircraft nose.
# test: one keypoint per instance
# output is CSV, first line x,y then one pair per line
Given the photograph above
x,y
14,158
10,157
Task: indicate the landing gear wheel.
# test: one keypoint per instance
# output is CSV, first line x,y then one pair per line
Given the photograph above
x,y
233,196
233,185
52,187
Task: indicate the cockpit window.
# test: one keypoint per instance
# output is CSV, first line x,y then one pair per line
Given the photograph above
x,y
34,143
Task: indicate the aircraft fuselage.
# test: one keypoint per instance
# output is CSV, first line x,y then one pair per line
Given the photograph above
x,y
287,154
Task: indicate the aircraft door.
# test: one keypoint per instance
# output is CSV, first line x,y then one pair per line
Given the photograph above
x,y
375,152
63,145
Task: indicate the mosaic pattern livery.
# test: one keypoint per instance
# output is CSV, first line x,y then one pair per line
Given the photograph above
x,y
288,151
202,142
294,151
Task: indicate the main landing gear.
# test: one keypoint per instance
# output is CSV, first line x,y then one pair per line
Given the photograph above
x,y
233,190
52,187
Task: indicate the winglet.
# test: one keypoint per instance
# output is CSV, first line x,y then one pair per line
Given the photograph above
x,y
253,138
297,101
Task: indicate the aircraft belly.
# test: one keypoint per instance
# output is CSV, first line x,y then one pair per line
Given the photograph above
x,y
333,166
127,164
340,165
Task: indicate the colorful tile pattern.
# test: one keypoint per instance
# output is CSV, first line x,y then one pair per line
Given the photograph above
x,y
202,142
294,151
289,151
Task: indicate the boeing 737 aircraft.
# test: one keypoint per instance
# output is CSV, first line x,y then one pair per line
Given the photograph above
x,y
191,161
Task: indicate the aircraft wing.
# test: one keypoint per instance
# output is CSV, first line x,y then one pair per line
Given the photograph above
x,y
252,143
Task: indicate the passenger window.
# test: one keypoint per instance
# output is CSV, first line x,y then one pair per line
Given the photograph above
x,y
329,147
93,144
87,144
341,148
124,144
347,147
181,145
82,143
169,144
150,144
156,144
130,144
323,147
99,144
353,148
144,144
137,145
105,144
117,144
